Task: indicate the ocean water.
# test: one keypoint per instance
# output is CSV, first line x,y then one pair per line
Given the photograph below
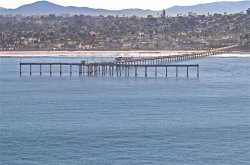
x,y
89,120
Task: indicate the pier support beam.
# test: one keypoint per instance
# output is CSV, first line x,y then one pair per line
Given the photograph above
x,y
166,71
60,69
176,71
30,70
102,71
20,69
198,74
80,69
95,70
70,68
112,69
117,70
155,71
50,71
109,70
40,69
120,71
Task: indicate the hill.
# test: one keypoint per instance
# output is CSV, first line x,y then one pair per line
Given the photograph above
x,y
45,8
216,7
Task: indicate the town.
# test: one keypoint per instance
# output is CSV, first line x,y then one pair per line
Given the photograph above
x,y
80,32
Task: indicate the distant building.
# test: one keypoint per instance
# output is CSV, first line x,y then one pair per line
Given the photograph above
x,y
192,14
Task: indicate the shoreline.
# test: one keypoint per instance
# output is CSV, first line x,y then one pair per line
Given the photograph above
x,y
105,53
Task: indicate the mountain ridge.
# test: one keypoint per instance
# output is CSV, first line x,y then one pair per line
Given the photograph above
x,y
218,7
45,8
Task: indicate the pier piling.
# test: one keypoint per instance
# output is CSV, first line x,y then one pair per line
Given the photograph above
x,y
40,69
20,68
70,68
176,71
60,69
30,70
198,74
166,71
155,71
50,71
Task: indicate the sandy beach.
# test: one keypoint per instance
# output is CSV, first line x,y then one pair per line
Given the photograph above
x,y
105,53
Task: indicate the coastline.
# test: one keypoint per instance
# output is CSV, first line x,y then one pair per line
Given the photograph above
x,y
108,53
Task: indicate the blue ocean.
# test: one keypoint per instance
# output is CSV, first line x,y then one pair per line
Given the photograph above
x,y
92,120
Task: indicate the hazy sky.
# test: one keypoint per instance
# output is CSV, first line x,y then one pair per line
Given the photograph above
x,y
112,4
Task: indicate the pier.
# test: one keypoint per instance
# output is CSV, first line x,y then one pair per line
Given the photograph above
x,y
124,65
103,69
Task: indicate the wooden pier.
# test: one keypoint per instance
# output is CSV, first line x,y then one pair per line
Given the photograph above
x,y
126,64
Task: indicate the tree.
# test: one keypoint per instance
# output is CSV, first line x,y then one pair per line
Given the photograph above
x,y
248,11
164,13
